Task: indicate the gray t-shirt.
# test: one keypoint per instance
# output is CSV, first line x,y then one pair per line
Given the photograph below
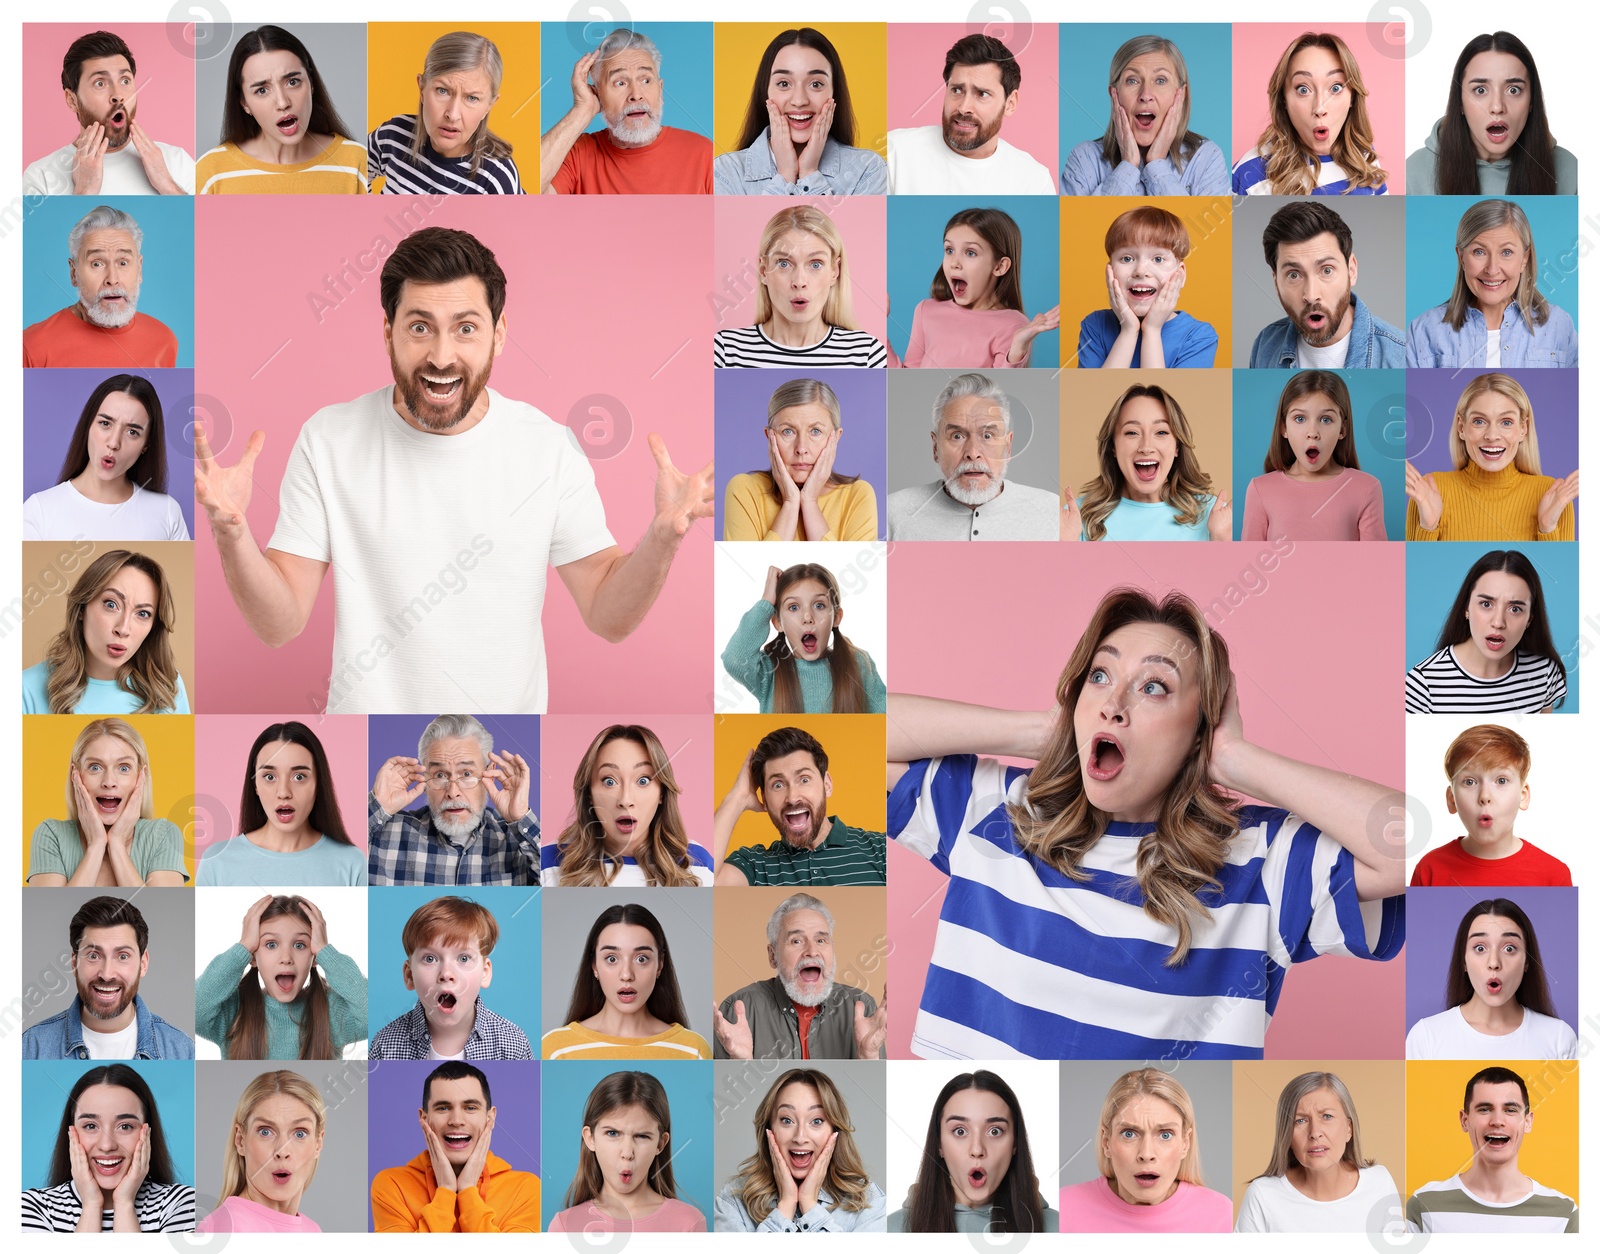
x,y
928,512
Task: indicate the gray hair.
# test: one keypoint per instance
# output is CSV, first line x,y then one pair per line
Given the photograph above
x,y
1294,1092
791,903
455,727
974,384
619,41
803,392
103,218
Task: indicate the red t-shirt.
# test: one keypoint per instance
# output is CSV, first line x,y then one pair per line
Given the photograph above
x,y
807,1014
1452,865
64,339
676,163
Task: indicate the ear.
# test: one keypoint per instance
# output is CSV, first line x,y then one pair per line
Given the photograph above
x,y
588,1139
1011,103
772,957
1352,269
827,784
1450,799
238,1140
1527,796
500,335
419,84
388,337
1183,273
838,615
144,958
934,437
665,1137
405,974
71,99
1002,267
488,973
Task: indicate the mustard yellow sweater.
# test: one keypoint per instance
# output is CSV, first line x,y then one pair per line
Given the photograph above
x,y
1498,507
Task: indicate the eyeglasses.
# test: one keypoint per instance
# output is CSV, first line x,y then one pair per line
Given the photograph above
x,y
439,781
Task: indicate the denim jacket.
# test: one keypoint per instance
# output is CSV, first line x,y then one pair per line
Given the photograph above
x,y
1432,342
61,1036
1374,344
842,171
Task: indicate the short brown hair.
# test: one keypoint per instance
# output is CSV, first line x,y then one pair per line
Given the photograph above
x,y
780,744
452,921
1487,745
437,254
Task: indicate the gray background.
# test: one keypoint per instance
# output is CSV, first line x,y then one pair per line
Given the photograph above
x,y
167,987
684,915
338,48
1378,224
337,1198
1084,1086
741,1087
1035,405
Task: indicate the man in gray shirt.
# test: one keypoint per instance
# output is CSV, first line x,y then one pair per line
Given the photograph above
x,y
801,1012
972,499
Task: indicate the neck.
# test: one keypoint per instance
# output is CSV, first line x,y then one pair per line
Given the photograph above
x,y
1327,1185
641,1201
122,1021
1493,1020
1480,665
1329,469
781,330
92,487
289,1207
1496,1181
631,1026
452,1040
273,151
989,301
1492,847
1493,315
94,668
1146,496
274,840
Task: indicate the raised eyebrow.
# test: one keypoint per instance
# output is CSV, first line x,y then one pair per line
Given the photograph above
x,y
1471,81
89,1114
819,72
1510,931
142,605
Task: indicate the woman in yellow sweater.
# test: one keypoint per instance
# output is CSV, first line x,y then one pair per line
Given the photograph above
x,y
800,496
1496,492
280,130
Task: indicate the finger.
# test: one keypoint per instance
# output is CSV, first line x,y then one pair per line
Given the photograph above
x,y
738,1013
658,450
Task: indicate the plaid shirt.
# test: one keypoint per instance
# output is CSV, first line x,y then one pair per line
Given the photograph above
x,y
492,1038
406,848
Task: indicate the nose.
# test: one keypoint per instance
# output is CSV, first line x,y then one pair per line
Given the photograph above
x,y
280,98
1112,708
625,794
114,441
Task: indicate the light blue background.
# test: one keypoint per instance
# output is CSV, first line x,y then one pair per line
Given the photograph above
x,y
45,1086
1431,223
685,69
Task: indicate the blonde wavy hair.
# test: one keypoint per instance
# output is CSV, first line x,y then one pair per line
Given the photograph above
x,y
1291,167
1055,821
1483,216
129,736
1185,483
847,1182
151,674
836,310
1148,1082
1527,458
267,1084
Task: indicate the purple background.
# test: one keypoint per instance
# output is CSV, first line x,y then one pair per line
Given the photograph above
x,y
394,1095
741,442
1434,914
395,735
52,401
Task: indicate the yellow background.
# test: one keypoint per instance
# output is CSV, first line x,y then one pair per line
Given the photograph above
x,y
1208,286
395,51
863,49
1437,1148
47,741
860,922
854,744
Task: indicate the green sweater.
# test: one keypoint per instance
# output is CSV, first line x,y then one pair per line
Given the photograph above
x,y
216,1003
745,661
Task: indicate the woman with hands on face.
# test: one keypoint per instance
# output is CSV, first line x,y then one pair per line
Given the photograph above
x,y
799,132
110,1170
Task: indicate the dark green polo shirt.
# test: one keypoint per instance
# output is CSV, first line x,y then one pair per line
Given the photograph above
x,y
848,856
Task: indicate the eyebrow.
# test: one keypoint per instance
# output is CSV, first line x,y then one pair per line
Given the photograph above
x,y
638,949
89,1114
142,605
796,1109
964,1119
119,250
1510,931
1159,658
616,767
298,71
476,315
1470,81
292,935
1159,1127
1285,261
1309,74
275,766
820,71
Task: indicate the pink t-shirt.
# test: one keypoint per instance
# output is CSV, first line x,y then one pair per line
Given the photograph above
x,y
945,335
240,1214
671,1216
1348,506
1094,1206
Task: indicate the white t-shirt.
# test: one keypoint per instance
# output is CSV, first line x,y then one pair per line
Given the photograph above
x,y
1449,1035
920,163
1272,1204
435,1056
64,513
1328,357
121,172
1492,361
112,1044
441,546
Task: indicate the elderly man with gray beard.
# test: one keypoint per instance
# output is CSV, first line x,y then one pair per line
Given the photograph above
x,y
459,838
800,1012
973,499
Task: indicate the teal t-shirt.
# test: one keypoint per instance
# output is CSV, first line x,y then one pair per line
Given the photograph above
x,y
102,696
58,848
238,862
1154,520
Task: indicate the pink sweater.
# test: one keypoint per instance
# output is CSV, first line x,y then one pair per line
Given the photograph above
x,y
945,335
240,1214
1347,506
1094,1206
671,1216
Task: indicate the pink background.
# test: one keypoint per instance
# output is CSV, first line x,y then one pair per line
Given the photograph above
x,y
1021,611
221,756
628,324
916,80
1256,49
165,78
564,739
740,221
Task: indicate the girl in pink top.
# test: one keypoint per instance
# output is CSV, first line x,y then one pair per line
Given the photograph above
x,y
624,1179
973,318
274,1144
1149,1153
1313,489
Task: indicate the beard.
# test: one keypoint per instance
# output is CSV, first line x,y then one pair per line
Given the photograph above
x,y
635,132
1330,332
413,394
87,1005
114,316
802,996
974,496
803,839
983,135
456,828
117,136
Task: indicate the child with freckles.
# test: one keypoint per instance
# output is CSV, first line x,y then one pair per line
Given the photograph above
x,y
1145,273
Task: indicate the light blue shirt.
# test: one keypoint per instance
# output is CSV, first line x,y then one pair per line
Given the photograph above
x,y
238,863
101,696
842,171
1374,344
1431,342
731,1216
1154,520
1088,173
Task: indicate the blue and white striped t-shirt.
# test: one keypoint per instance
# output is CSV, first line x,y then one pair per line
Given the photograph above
x,y
1250,178
1030,963
630,874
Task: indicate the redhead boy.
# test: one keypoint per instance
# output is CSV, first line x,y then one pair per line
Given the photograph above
x,y
1146,269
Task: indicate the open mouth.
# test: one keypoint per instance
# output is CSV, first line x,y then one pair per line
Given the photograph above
x,y
799,303
1312,456
800,119
1491,285
446,1002
808,642
283,1177
441,388
800,1161
1146,471
1106,758
289,125
1496,132
797,819
108,463
456,1140
977,1177
1316,319
1141,291
286,982
1497,1138
108,803
1320,134
118,118
1144,121
1486,821
810,971
1494,643
958,288
627,996
625,824
108,1166
625,1177
285,814
110,994
1147,1179
1492,986
1491,452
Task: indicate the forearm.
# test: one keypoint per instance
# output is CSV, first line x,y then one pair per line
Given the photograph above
x,y
347,995
125,1218
787,523
630,588
258,588
123,871
811,519
88,873
556,143
722,825
216,993
1152,353
439,1215
932,727
1120,355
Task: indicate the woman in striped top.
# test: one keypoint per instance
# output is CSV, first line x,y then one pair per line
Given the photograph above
x,y
1119,901
1495,653
446,146
280,130
803,315
625,1001
110,1170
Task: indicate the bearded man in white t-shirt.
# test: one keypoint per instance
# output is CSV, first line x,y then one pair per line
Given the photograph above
x,y
440,505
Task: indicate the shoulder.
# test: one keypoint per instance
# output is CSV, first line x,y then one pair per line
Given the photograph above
x,y
1566,172
687,141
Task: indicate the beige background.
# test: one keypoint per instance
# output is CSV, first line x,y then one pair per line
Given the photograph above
x,y
860,938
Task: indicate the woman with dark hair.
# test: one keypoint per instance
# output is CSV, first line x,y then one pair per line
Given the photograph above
x,y
110,1170
1495,653
113,482
1496,995
977,1171
1494,138
291,829
625,1001
799,132
280,130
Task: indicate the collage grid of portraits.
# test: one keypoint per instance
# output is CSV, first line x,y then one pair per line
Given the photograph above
x,y
262,586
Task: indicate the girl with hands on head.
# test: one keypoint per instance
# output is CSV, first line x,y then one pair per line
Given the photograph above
x,y
806,1174
1145,275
